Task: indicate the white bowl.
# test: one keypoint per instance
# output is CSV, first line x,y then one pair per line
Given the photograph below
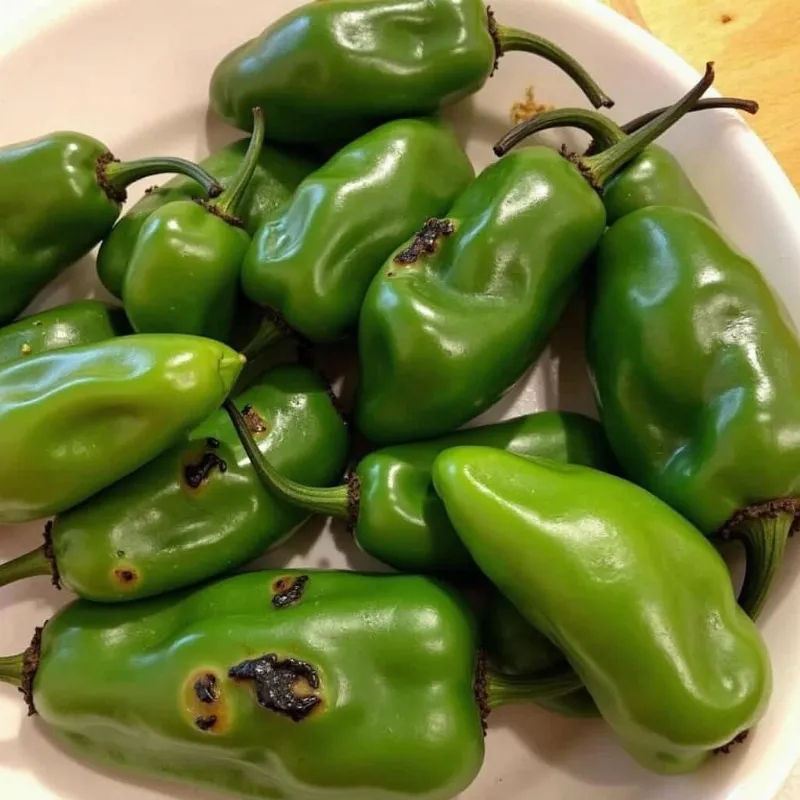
x,y
135,74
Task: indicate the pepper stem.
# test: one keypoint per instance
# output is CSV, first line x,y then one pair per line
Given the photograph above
x,y
12,668
116,176
599,169
707,104
228,201
334,501
503,690
763,531
513,39
26,566
269,333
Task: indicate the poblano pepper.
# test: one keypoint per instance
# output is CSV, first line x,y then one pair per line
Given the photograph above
x,y
696,364
461,311
76,420
635,597
60,196
81,322
183,276
313,260
198,510
340,67
389,501
302,685
276,176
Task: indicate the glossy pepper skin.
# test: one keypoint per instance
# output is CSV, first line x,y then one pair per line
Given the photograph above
x,y
75,421
198,510
310,686
635,597
340,67
276,176
183,276
69,325
60,196
390,504
514,647
313,260
696,366
457,315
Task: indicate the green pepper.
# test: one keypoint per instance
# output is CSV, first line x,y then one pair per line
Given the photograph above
x,y
276,176
389,502
183,275
635,597
340,67
81,322
197,510
514,647
61,195
696,366
310,686
459,313
313,260
76,420
653,178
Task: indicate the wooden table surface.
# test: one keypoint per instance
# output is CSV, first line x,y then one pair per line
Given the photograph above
x,y
756,47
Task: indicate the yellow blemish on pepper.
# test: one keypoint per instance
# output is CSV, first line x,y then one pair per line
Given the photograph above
x,y
203,701
26,349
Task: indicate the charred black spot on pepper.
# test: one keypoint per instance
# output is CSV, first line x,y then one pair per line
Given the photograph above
x,y
205,688
120,554
126,576
426,240
275,684
254,420
206,723
212,442
288,590
196,474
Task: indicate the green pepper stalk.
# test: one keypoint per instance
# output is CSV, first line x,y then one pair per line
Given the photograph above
x,y
184,271
707,104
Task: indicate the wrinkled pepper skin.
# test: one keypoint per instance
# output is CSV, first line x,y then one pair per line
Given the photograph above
x,y
60,196
696,365
514,647
443,337
624,587
278,174
69,325
394,715
181,519
314,259
76,420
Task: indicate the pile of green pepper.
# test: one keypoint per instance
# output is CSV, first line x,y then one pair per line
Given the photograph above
x,y
168,441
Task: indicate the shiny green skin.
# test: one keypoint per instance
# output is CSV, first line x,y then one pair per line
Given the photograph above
x,y
169,535
277,175
653,178
313,260
52,212
514,647
635,597
441,340
696,366
395,655
401,520
81,322
75,421
340,67
183,275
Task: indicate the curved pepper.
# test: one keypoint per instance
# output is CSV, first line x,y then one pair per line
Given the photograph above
x,y
76,420
459,313
60,196
69,325
302,685
183,276
197,510
275,178
635,597
313,261
514,647
696,366
340,67
389,501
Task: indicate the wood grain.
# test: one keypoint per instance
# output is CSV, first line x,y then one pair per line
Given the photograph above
x,y
756,47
